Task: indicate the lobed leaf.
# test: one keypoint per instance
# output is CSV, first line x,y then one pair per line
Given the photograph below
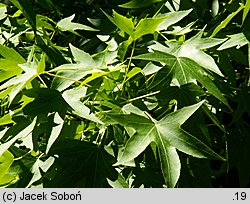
x,y
66,24
168,135
238,40
184,71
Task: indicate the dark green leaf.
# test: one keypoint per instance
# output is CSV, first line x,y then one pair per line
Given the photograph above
x,y
139,3
28,11
87,165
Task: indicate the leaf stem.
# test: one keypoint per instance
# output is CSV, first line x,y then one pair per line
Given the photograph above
x,y
42,81
143,96
131,56
62,77
129,64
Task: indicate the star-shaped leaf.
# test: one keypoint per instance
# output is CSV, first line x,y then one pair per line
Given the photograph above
x,y
194,49
16,84
66,24
168,136
184,71
143,27
238,40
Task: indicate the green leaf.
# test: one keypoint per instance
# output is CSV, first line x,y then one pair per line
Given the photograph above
x,y
175,5
3,11
6,119
140,140
119,183
64,79
215,7
193,49
66,24
82,57
133,72
6,159
9,63
23,167
123,23
43,22
3,132
37,167
139,3
238,40
185,71
54,54
67,74
18,83
73,98
55,132
46,101
224,23
24,133
147,26
151,68
168,135
172,18
170,162
81,164
123,47
28,11
41,65
246,10
178,30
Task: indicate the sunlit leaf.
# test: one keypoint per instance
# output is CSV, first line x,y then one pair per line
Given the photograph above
x,y
24,133
246,10
66,24
18,83
147,26
9,63
194,49
38,166
3,11
215,7
55,132
73,98
6,159
143,27
238,40
172,18
122,22
224,23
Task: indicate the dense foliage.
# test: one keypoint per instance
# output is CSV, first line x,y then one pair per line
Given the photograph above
x,y
119,93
